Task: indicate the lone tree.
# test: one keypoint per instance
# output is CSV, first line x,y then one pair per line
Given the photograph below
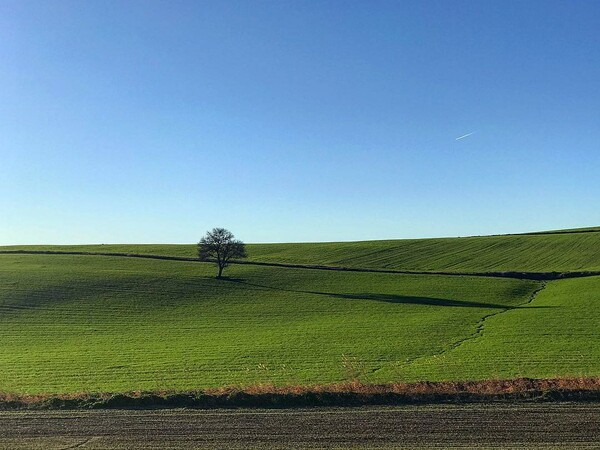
x,y
220,245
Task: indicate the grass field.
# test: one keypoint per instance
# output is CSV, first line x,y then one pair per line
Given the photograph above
x,y
73,323
570,250
85,323
556,334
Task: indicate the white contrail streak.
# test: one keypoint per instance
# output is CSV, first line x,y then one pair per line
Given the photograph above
x,y
464,136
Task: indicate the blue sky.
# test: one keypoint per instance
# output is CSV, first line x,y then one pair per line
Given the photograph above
x,y
147,121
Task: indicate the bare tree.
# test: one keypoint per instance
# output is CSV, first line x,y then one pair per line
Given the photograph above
x,y
220,246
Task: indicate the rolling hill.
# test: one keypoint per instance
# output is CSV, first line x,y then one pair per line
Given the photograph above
x,y
88,323
557,251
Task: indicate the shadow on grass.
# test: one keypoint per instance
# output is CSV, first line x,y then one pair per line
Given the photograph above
x,y
393,298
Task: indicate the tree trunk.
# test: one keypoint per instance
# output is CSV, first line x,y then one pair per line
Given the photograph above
x,y
220,271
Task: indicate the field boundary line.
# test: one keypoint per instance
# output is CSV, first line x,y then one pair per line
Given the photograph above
x,y
536,276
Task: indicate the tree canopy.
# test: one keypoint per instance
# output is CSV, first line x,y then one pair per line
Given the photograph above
x,y
221,246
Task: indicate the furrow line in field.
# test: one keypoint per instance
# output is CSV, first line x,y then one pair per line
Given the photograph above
x,y
478,330
481,324
79,444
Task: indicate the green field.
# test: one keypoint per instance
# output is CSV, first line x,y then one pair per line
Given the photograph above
x,y
72,323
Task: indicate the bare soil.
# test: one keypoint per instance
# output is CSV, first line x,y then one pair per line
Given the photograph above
x,y
546,425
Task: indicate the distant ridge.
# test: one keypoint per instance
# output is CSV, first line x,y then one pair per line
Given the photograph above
x,y
536,255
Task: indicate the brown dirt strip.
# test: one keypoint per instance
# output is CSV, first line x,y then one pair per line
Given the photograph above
x,y
539,276
443,426
584,389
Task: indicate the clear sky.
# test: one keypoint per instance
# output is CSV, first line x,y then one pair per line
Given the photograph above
x,y
153,121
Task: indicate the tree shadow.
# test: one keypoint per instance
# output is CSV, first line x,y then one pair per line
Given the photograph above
x,y
394,298
234,280
412,300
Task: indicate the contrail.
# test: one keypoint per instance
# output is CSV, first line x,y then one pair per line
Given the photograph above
x,y
464,136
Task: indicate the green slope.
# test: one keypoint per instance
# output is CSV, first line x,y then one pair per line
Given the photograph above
x,y
532,253
88,323
542,252
557,333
